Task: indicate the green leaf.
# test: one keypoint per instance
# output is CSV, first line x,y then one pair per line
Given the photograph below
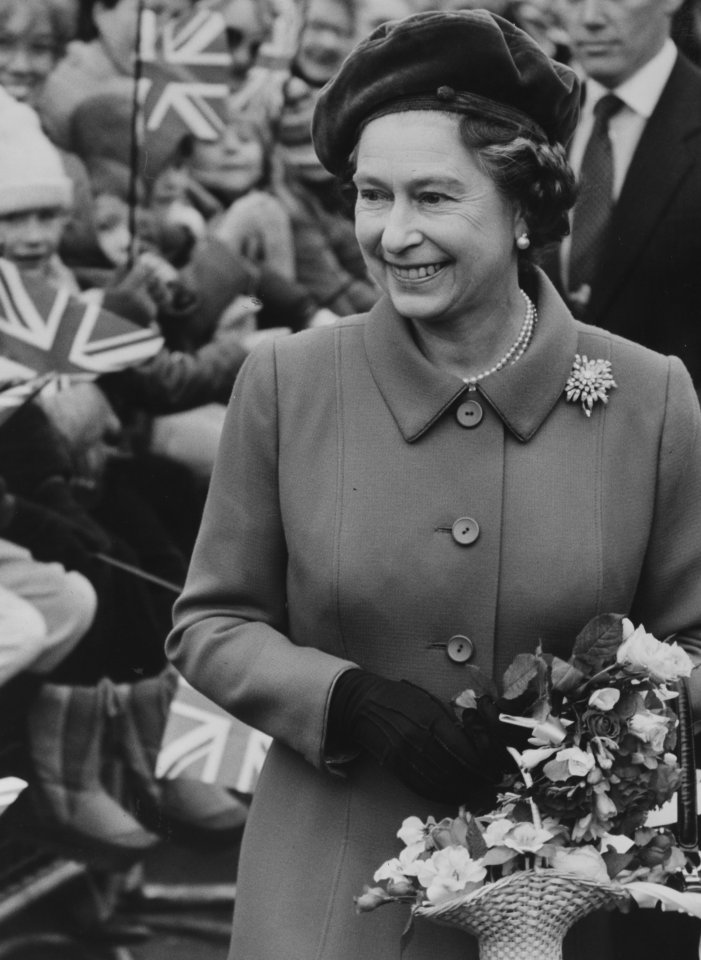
x,y
596,645
475,841
525,668
541,709
565,676
407,933
498,855
615,862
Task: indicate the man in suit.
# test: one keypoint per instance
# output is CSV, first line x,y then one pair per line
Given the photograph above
x,y
641,276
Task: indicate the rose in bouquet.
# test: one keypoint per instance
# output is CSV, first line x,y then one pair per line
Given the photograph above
x,y
596,757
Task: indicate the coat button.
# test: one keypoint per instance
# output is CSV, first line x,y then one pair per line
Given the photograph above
x,y
469,413
465,531
460,648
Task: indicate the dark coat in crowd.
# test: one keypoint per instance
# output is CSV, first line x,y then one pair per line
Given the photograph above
x,y
648,287
331,543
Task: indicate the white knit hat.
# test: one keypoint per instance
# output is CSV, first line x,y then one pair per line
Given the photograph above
x,y
31,172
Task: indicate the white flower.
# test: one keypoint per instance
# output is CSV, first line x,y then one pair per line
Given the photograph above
x,y
389,870
583,862
525,837
604,805
449,871
579,762
400,867
412,831
494,835
619,842
605,699
650,728
531,758
643,653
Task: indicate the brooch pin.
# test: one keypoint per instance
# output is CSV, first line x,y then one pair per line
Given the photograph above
x,y
589,381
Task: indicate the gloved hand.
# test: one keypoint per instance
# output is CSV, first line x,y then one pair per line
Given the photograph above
x,y
483,726
414,735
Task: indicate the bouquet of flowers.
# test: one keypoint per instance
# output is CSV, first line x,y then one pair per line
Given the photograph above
x,y
568,834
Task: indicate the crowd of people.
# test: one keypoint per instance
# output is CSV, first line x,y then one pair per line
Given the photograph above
x,y
221,244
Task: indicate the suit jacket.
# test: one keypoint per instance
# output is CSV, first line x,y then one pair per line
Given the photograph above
x,y
648,286
327,540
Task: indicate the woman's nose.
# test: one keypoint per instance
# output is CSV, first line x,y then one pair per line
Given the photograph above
x,y
593,13
400,230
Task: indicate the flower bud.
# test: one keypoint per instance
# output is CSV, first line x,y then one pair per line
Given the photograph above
x,y
656,851
400,888
370,898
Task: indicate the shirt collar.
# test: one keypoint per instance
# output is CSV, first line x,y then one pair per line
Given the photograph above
x,y
640,92
417,392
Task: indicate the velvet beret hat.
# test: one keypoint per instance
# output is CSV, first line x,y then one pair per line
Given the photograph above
x,y
455,61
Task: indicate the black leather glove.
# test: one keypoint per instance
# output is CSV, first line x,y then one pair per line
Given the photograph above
x,y
414,735
483,726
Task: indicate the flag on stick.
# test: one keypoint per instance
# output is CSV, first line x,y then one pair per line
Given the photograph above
x,y
44,329
186,66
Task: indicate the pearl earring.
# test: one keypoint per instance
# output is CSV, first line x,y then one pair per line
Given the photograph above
x,y
523,242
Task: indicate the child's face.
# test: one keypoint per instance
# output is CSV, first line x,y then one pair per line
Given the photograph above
x,y
31,237
233,164
28,48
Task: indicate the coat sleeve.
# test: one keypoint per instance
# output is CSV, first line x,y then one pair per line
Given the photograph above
x,y
229,636
668,598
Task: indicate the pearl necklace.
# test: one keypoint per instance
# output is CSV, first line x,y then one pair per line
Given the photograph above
x,y
517,348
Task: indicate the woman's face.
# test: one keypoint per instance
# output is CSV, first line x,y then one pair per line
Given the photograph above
x,y
435,233
28,48
233,164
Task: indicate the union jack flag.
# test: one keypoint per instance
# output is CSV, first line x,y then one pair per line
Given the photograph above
x,y
15,393
186,70
203,742
47,330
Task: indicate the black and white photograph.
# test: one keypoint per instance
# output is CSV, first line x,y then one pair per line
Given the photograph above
x,y
350,479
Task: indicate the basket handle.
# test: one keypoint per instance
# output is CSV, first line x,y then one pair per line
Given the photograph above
x,y
687,822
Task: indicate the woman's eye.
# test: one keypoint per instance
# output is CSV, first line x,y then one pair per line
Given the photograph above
x,y
371,195
432,199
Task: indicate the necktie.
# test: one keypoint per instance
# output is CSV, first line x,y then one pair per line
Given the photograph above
x,y
592,211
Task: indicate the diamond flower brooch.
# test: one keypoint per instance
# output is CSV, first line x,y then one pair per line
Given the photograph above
x,y
589,382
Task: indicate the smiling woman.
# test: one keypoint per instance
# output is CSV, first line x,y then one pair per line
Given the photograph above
x,y
437,235
418,495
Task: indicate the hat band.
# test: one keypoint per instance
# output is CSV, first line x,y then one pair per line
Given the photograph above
x,y
458,101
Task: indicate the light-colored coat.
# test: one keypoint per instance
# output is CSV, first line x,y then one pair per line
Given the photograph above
x,y
327,541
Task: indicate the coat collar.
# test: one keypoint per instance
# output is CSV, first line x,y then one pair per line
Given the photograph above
x,y
418,393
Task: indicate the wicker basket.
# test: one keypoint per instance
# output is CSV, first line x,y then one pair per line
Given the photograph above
x,y
526,915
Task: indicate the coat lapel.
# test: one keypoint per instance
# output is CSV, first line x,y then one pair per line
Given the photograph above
x,y
418,393
659,166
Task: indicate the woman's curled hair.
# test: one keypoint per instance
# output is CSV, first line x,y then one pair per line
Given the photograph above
x,y
534,174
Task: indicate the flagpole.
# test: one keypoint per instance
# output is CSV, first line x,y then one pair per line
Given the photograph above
x,y
302,16
134,146
138,572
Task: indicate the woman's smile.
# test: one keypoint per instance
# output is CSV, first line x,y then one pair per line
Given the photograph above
x,y
415,273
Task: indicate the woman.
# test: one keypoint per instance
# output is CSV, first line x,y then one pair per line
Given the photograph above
x,y
410,491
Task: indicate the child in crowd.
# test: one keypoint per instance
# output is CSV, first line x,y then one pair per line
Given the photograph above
x,y
106,660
